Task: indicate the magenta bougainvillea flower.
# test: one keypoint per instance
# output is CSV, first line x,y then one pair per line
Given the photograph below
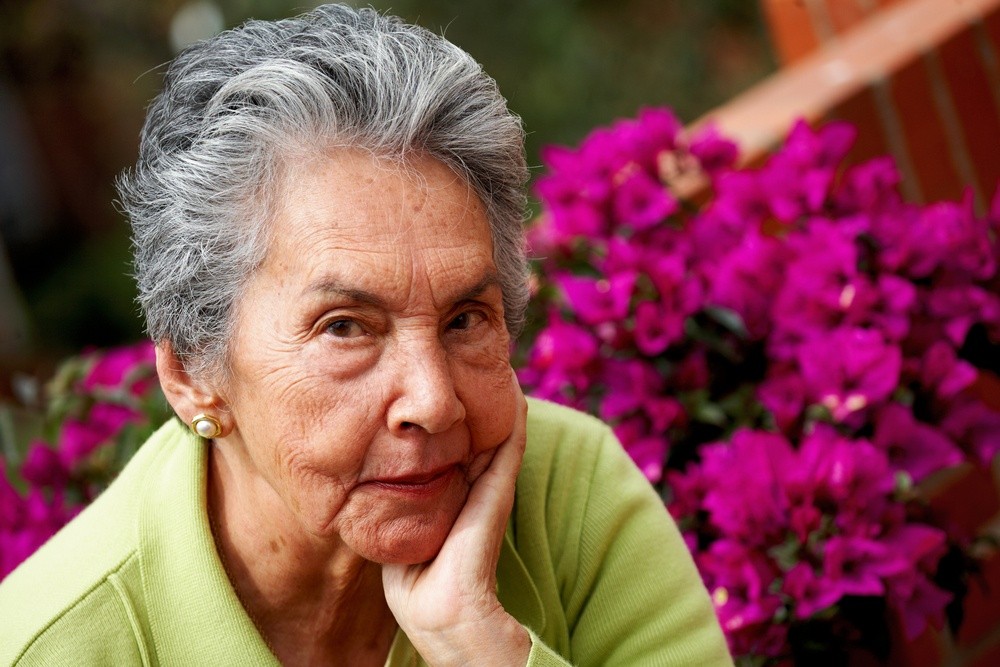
x,y
785,356
746,279
122,367
103,405
783,394
80,437
847,370
739,580
27,522
750,506
941,371
975,428
599,300
559,363
812,592
651,134
640,202
713,151
914,447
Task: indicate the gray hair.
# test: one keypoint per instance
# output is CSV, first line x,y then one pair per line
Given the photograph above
x,y
234,106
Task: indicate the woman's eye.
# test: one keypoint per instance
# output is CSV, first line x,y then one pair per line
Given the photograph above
x,y
345,329
465,320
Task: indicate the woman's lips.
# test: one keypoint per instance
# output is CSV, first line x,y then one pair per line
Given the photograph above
x,y
423,484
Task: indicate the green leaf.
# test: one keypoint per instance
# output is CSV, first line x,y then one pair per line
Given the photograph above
x,y
8,446
729,319
710,339
710,413
786,554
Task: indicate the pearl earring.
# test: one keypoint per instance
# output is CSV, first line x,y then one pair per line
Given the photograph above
x,y
206,426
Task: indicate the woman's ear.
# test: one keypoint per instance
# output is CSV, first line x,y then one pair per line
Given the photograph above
x,y
188,394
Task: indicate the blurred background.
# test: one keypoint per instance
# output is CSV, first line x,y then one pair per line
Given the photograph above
x,y
76,76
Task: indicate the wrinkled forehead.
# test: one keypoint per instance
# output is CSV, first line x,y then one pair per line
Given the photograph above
x,y
368,181
365,194
351,217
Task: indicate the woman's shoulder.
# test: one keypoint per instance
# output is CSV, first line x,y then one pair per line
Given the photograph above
x,y
604,558
569,458
86,573
572,455
555,431
60,627
542,412
579,491
568,448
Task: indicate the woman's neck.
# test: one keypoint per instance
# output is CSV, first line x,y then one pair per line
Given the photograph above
x,y
312,602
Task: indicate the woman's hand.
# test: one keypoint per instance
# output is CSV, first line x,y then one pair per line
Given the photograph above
x,y
448,607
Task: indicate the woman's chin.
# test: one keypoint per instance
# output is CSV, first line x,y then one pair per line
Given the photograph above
x,y
401,545
388,526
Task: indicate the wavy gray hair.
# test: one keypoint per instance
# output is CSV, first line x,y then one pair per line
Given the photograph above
x,y
233,107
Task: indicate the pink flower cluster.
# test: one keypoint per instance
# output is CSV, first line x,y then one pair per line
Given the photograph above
x,y
103,395
787,533
776,357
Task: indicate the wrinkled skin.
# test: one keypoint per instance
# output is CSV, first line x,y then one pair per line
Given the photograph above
x,y
371,345
369,391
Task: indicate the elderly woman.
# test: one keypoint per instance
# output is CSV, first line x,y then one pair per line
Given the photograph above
x,y
327,220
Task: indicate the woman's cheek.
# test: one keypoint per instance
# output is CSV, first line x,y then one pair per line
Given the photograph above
x,y
487,390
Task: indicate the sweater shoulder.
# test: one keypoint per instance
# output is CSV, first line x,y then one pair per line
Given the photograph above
x,y
559,436
563,459
73,570
99,627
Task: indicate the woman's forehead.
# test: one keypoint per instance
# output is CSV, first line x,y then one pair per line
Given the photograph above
x,y
360,195
359,223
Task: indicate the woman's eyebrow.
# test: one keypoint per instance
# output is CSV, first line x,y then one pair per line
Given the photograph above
x,y
491,279
330,285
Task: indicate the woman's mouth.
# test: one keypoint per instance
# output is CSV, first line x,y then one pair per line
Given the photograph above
x,y
421,484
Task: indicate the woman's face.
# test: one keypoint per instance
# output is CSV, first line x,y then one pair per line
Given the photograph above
x,y
370,377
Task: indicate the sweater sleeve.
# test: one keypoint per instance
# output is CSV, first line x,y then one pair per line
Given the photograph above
x,y
636,597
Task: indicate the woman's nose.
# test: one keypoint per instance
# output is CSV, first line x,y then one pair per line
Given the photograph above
x,y
425,396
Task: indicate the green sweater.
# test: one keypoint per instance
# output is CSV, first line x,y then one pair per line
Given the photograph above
x,y
592,565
